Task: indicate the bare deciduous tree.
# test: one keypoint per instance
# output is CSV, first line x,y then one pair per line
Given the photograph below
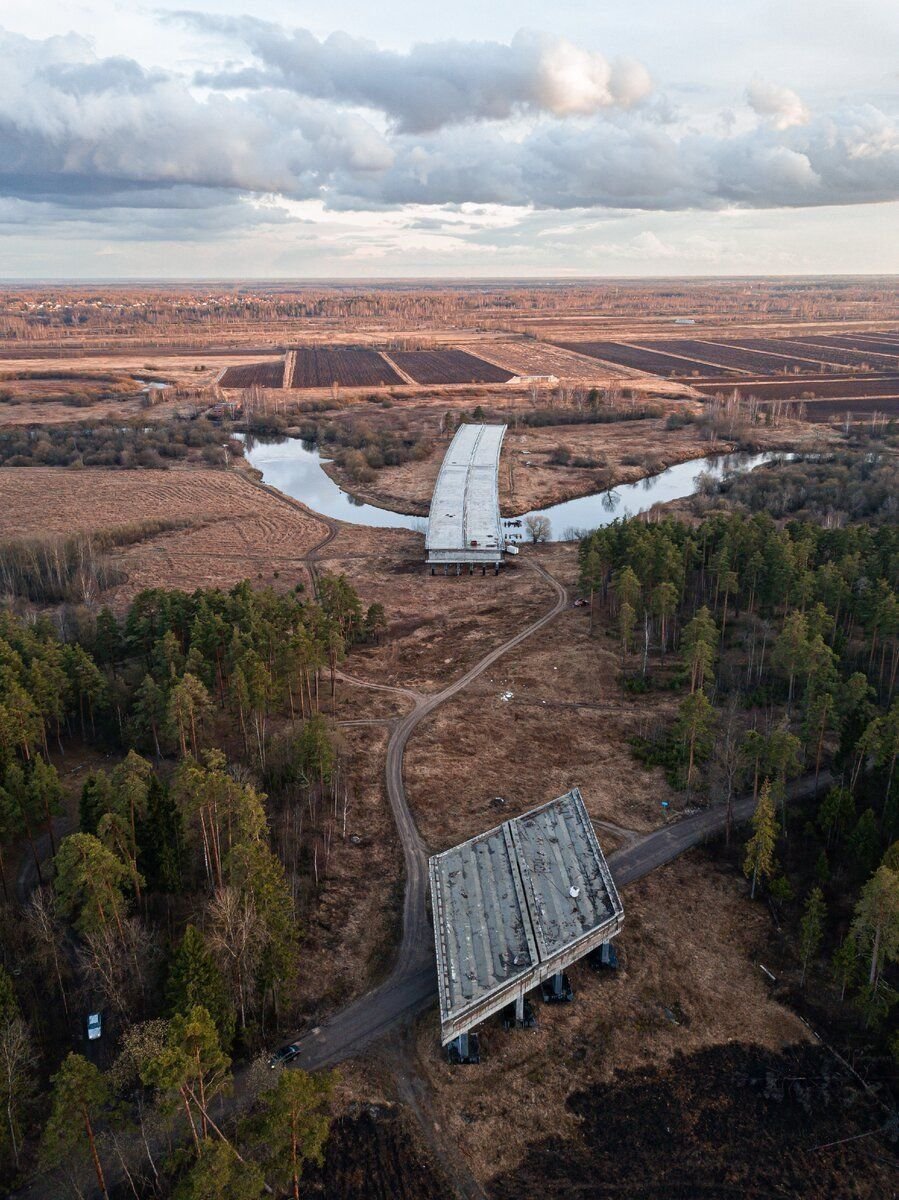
x,y
236,936
538,526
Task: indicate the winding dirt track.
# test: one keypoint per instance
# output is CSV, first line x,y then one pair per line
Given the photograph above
x,y
412,983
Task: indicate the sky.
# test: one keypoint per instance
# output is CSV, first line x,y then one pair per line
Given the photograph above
x,y
214,139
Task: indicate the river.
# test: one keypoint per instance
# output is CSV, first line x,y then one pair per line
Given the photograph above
x,y
295,468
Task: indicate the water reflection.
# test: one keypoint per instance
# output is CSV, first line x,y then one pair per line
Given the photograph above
x,y
295,468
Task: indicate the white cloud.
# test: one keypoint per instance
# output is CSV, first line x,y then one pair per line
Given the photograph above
x,y
89,135
779,105
433,84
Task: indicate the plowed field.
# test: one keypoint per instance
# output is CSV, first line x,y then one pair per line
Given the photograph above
x,y
823,387
733,355
266,375
448,366
643,359
315,368
887,343
830,353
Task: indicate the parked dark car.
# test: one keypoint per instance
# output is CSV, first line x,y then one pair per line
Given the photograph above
x,y
284,1056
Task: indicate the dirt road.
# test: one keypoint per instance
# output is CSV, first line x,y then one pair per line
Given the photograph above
x,y
407,992
412,983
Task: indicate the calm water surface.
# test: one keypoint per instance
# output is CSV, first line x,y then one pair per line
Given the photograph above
x,y
295,468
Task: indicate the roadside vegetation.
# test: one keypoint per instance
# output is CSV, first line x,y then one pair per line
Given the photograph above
x,y
851,485
176,906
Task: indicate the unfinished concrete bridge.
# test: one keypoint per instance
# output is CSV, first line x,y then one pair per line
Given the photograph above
x,y
464,525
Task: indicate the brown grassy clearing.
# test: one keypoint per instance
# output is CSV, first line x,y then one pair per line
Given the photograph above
x,y
240,531
690,944
535,744
439,625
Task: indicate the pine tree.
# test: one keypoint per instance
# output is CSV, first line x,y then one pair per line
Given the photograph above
x,y
627,617
107,638
88,884
149,712
191,1069
96,800
160,839
864,844
791,652
836,814
80,1094
195,979
664,606
695,722
187,707
759,862
845,965
811,929
293,1126
698,646
220,1173
45,794
876,923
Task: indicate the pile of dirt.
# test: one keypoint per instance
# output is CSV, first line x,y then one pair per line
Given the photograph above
x,y
728,1121
372,1155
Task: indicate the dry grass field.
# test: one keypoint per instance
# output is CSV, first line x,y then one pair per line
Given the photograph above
x,y
529,357
439,626
548,716
239,531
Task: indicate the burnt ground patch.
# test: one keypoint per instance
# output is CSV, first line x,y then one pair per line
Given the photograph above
x,y
371,1154
730,1121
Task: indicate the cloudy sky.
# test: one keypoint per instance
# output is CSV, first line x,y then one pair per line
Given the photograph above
x,y
509,138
